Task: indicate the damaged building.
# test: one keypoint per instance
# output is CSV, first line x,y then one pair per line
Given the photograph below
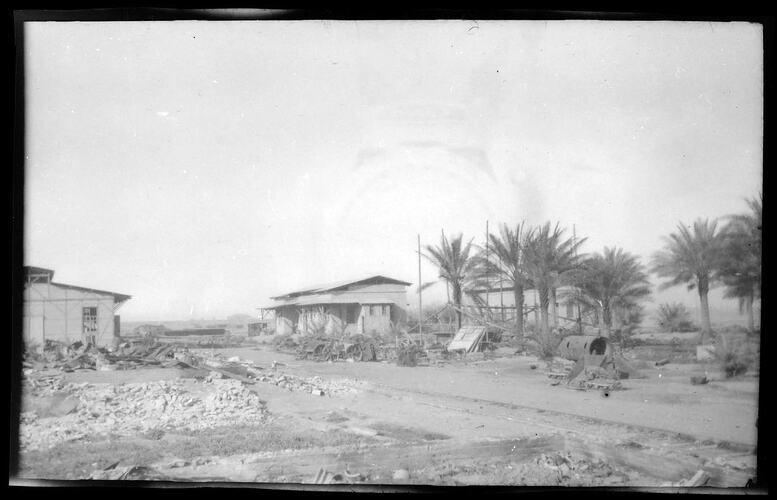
x,y
68,313
367,305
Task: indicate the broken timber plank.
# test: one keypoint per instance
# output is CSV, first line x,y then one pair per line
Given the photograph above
x,y
235,376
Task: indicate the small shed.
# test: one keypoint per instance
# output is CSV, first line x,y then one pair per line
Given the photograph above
x,y
68,313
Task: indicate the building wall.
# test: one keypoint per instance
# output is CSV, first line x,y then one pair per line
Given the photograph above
x,y
376,318
285,320
53,312
336,317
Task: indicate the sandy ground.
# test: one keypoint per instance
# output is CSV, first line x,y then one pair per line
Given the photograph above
x,y
720,411
495,421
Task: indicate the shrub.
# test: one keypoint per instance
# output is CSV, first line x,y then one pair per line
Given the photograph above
x,y
407,355
674,318
735,358
544,346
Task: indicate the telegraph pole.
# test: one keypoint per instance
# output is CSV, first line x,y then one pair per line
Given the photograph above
x,y
577,289
488,274
420,310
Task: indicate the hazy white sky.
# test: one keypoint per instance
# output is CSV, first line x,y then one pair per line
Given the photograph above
x,y
202,167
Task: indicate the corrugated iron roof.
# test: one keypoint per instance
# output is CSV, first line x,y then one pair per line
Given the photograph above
x,y
118,297
39,270
340,284
467,338
328,299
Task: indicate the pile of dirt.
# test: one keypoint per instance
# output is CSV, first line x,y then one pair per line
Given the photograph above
x,y
77,411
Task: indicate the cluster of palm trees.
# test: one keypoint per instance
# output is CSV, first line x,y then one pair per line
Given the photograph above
x,y
613,281
703,255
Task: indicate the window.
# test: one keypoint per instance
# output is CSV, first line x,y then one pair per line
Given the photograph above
x,y
90,319
351,314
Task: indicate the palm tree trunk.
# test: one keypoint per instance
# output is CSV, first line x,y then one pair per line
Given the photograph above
x,y
518,295
544,300
457,301
706,327
618,318
552,306
606,319
749,311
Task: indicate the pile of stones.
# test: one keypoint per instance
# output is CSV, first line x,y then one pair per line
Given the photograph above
x,y
89,410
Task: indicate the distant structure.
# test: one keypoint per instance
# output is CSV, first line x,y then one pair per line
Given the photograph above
x,y
500,301
68,313
367,305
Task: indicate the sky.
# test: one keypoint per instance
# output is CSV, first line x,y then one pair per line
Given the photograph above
x,y
203,167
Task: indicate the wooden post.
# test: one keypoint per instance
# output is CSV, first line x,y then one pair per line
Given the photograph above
x,y
577,289
488,282
420,303
501,291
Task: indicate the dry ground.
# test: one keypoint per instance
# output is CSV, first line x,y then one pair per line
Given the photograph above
x,y
494,421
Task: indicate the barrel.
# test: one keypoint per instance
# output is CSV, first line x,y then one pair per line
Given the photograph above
x,y
574,347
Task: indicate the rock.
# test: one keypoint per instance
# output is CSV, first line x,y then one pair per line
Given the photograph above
x,y
401,475
363,431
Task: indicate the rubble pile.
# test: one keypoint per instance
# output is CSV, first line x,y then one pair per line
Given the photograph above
x,y
571,468
285,343
80,356
130,409
313,385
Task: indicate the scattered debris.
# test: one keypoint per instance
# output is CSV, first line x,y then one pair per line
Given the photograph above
x,y
401,475
323,476
355,347
698,479
131,409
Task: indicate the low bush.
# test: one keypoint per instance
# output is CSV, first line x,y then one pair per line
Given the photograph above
x,y
543,346
734,356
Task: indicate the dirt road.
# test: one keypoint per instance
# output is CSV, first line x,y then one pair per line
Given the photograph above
x,y
496,421
719,411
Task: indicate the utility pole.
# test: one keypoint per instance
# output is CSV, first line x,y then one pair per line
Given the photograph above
x,y
501,291
577,289
488,274
420,309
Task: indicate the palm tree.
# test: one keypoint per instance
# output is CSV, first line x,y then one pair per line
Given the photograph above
x,y
456,266
550,260
740,263
612,280
509,263
691,257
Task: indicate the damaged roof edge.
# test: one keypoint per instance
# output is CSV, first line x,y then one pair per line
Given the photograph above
x,y
340,284
118,297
